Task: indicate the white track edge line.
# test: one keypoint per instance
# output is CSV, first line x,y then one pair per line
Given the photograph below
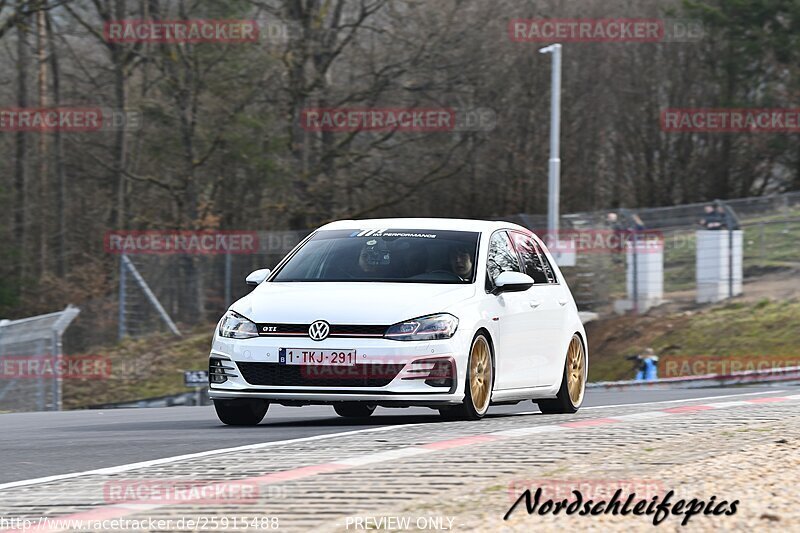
x,y
261,445
196,455
683,400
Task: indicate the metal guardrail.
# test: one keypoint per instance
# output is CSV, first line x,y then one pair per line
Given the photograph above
x,y
744,377
192,398
748,377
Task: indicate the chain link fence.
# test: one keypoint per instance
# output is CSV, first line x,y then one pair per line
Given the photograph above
x,y
770,232
30,357
195,289
191,289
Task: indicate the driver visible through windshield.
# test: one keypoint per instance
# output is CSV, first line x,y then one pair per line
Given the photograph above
x,y
404,256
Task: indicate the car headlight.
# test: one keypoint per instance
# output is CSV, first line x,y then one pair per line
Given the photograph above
x,y
426,328
235,326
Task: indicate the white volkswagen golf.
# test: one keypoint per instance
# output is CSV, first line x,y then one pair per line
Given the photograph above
x,y
456,315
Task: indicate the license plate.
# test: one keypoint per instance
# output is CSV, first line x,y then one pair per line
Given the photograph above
x,y
301,356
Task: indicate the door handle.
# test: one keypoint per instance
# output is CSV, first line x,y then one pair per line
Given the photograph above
x,y
562,302
534,303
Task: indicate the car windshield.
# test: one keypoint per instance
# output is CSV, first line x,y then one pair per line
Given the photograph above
x,y
391,255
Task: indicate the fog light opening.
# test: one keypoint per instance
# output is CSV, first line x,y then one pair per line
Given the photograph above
x,y
217,371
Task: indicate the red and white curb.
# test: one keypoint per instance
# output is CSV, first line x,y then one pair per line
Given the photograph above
x,y
116,511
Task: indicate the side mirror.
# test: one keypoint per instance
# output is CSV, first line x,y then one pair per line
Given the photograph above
x,y
257,276
512,282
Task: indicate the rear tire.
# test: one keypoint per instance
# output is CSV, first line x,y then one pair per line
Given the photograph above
x,y
241,412
573,382
354,409
478,386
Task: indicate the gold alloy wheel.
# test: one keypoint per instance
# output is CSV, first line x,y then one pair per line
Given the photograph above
x,y
576,361
480,375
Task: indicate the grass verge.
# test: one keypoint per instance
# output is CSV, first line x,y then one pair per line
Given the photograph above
x,y
762,331
142,368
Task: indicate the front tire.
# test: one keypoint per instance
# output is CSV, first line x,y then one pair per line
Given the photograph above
x,y
478,386
354,410
241,412
573,382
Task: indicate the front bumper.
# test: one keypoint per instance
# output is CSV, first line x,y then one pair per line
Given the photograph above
x,y
384,399
403,387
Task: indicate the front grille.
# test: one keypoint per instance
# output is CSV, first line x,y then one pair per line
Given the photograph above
x,y
356,330
337,330
274,330
365,375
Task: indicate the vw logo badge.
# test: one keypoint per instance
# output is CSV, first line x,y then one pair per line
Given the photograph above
x,y
319,330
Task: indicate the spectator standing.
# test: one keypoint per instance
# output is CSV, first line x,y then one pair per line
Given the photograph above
x,y
646,365
711,218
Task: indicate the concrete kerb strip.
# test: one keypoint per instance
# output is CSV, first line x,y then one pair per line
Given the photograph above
x,y
122,510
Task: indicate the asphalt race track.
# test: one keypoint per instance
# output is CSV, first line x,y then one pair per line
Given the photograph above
x,y
37,445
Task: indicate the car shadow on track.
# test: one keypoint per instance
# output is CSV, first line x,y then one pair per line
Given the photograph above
x,y
317,420
380,420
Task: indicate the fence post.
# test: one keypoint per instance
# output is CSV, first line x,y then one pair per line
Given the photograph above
x,y
150,296
228,261
41,394
730,261
635,272
122,290
57,383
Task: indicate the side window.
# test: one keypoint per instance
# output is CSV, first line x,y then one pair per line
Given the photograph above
x,y
551,274
534,260
501,258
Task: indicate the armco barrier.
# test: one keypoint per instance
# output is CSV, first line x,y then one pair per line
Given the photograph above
x,y
747,377
688,382
181,399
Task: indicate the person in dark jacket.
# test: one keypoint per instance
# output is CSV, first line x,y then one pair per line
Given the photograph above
x,y
712,220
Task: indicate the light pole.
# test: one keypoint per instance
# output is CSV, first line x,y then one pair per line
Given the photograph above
x,y
554,167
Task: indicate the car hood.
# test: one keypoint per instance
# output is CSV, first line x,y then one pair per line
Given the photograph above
x,y
348,303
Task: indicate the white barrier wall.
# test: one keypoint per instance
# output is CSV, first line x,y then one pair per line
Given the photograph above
x,y
645,272
564,253
714,251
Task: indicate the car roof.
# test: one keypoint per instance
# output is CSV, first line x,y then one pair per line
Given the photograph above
x,y
454,224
